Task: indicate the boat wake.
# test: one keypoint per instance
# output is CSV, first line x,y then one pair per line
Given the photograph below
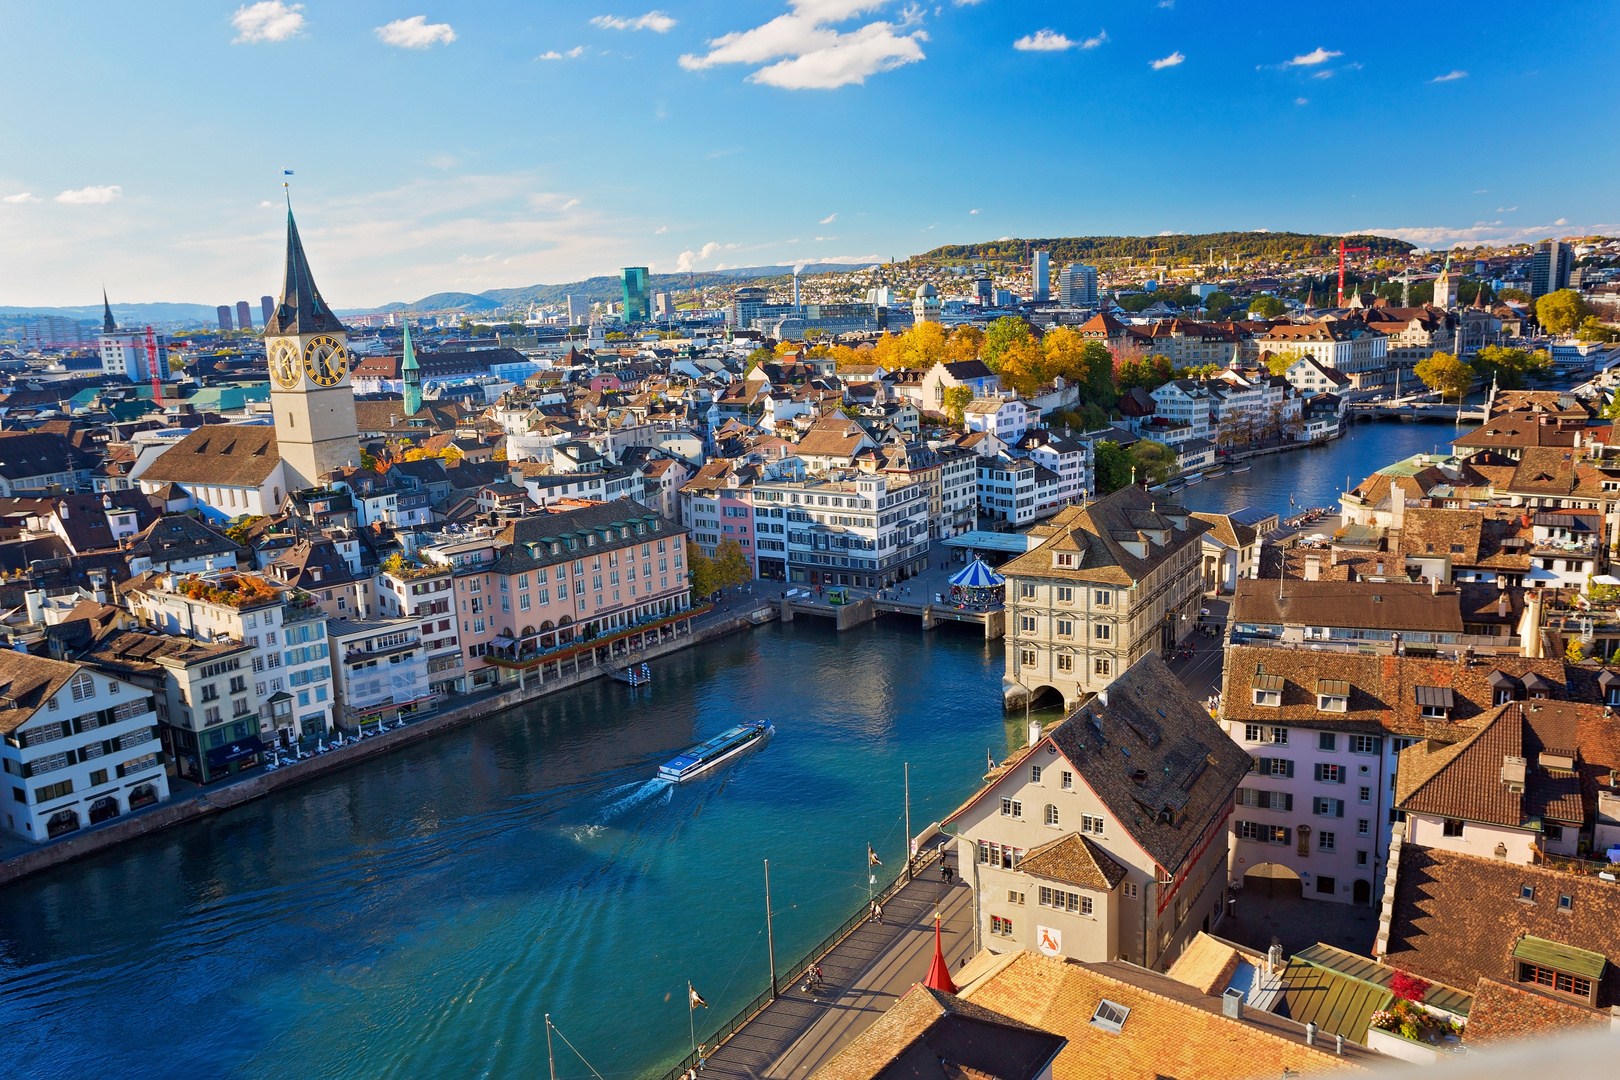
x,y
644,791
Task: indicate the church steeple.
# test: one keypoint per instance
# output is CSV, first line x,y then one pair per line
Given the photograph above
x,y
108,325
301,311
412,372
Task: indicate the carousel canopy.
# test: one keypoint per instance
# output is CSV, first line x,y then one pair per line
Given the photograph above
x,y
976,575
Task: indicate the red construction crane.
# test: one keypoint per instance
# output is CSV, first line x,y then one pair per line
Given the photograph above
x,y
1342,252
152,367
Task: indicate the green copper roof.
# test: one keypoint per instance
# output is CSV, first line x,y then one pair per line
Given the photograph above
x,y
1568,958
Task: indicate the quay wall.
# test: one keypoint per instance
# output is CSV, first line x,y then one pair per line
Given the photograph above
x,y
177,811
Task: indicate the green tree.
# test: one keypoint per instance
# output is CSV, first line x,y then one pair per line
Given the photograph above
x,y
759,356
1509,367
1005,331
1219,300
1447,374
1518,295
1155,462
701,568
730,565
1593,329
1266,307
1112,465
1281,362
1098,387
1562,311
957,399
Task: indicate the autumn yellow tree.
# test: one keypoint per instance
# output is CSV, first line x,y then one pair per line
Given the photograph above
x,y
1445,373
1022,366
965,343
1562,311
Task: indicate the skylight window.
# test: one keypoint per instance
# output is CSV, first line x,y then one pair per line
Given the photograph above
x,y
1109,1016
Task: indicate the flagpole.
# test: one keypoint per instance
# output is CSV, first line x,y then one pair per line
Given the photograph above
x,y
550,1057
908,822
770,937
691,1015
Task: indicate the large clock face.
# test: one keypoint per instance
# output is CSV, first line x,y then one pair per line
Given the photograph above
x,y
284,364
326,361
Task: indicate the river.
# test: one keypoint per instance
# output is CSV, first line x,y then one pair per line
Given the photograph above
x,y
1314,476
418,914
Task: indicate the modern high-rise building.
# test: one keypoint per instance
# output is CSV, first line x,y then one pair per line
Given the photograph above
x,y
1041,277
637,295
1550,267
577,311
984,289
746,304
244,315
663,305
1077,285
267,304
224,316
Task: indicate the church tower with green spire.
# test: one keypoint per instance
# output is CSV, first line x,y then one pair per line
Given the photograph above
x,y
412,373
310,394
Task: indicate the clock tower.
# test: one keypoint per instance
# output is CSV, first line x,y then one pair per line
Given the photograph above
x,y
310,394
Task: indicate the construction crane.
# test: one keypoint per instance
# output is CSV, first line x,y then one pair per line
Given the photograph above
x,y
1406,277
152,367
1343,251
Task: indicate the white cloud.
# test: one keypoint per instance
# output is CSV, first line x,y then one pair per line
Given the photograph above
x,y
823,239
20,197
661,230
415,33
572,54
1169,61
689,259
1302,101
95,193
1052,41
656,21
1450,76
972,211
268,20
1444,236
1316,56
828,220
817,57
1499,209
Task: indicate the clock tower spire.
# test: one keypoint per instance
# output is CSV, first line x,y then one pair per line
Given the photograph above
x,y
310,394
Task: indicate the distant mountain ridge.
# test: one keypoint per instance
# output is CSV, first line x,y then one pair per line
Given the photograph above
x,y
601,289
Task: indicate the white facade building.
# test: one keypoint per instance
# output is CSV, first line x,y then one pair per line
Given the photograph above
x,y
79,747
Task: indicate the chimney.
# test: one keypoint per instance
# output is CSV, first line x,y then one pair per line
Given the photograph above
x,y
1232,1003
1313,567
1310,1034
1434,586
1513,769
1034,732
1501,604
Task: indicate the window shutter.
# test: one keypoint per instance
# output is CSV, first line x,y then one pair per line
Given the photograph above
x,y
1288,835
1288,801
67,728
1290,768
1260,765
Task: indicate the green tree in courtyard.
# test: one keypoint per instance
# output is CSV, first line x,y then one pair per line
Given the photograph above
x,y
1155,462
1112,465
957,399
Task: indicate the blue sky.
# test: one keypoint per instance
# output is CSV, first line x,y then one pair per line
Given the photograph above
x,y
481,145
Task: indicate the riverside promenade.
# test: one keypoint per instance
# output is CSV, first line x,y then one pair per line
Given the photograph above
x,y
864,973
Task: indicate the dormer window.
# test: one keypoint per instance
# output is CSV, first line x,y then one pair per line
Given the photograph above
x,y
1435,702
1065,558
1332,695
1268,690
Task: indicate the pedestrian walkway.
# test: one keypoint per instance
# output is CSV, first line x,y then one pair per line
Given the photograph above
x,y
863,975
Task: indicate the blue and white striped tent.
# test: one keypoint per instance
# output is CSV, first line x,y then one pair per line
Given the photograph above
x,y
976,575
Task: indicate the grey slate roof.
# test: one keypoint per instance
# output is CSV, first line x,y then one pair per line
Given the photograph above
x,y
301,311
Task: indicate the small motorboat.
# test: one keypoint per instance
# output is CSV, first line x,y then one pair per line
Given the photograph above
x,y
1245,467
1195,480
706,755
